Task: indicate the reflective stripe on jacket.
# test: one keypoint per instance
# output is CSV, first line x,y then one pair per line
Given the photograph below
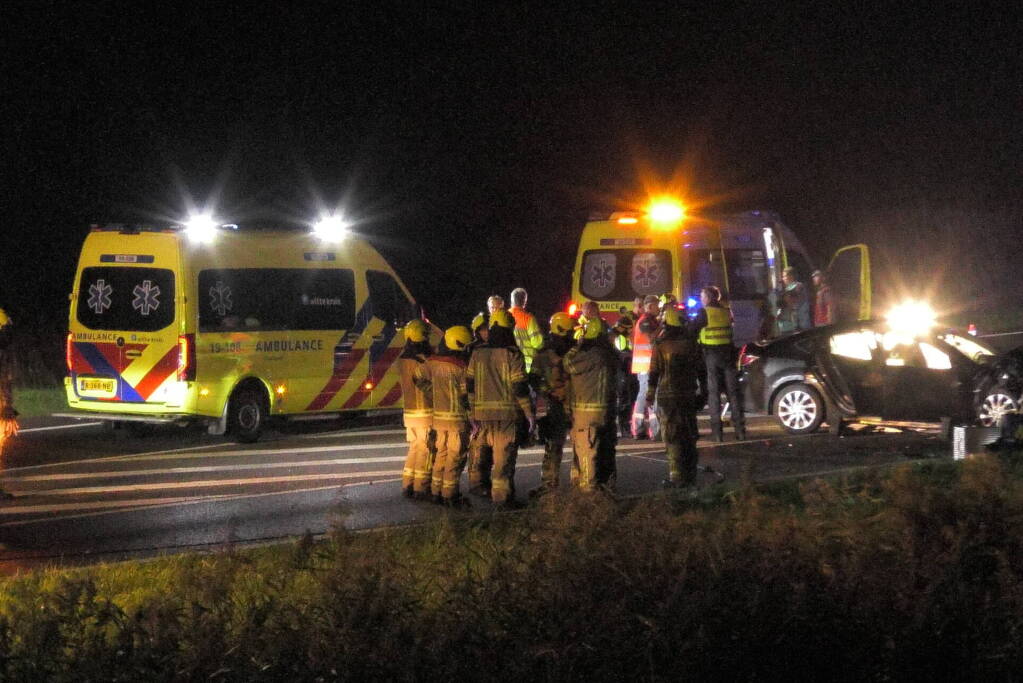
x,y
528,335
497,384
443,379
642,343
418,411
718,330
592,373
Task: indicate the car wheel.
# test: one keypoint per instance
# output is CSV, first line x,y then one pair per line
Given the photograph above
x,y
246,416
799,408
996,403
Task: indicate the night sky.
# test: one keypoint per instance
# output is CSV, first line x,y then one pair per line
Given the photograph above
x,y
471,144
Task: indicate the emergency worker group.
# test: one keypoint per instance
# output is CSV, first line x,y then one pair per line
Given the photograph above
x,y
501,383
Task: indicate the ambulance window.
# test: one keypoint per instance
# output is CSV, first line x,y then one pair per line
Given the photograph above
x,y
129,299
276,299
747,272
387,301
326,300
624,274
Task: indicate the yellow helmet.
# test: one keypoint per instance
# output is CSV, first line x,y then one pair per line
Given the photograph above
x,y
590,329
457,338
4,320
502,318
562,324
479,321
672,317
416,331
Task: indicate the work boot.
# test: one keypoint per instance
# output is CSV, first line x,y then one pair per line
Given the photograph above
x,y
715,433
740,434
407,491
422,496
482,490
438,499
509,505
669,484
458,503
541,491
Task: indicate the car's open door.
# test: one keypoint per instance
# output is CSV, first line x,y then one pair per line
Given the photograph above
x,y
848,275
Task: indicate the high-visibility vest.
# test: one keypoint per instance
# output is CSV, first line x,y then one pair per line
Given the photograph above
x,y
642,349
718,331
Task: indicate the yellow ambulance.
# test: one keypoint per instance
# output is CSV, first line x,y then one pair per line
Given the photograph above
x,y
232,327
625,255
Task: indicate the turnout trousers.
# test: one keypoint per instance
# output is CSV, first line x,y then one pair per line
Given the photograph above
x,y
720,360
553,429
499,435
678,426
593,453
452,450
418,468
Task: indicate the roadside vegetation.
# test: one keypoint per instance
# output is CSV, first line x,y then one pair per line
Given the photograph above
x,y
909,574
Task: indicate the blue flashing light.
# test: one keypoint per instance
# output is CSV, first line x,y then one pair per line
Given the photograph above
x,y
692,302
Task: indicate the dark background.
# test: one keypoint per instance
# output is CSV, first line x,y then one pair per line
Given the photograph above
x,y
471,144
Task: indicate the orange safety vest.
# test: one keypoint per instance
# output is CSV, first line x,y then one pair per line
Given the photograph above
x,y
642,348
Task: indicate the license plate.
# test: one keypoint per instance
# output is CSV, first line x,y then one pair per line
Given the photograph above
x,y
96,387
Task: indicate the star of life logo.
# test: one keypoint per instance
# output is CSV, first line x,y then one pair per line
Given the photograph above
x,y
602,275
220,298
147,297
99,296
646,273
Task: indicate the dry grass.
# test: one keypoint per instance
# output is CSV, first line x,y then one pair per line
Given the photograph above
x,y
911,574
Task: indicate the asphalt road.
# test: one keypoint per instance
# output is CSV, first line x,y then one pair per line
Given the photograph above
x,y
83,493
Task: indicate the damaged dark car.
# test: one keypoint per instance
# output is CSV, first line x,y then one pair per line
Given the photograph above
x,y
863,370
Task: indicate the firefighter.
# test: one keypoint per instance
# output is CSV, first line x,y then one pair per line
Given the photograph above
x,y
497,389
644,417
672,382
417,413
8,415
528,335
592,367
551,383
442,378
713,325
622,343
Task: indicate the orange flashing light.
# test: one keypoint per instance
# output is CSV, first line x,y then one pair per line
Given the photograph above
x,y
367,386
628,220
572,308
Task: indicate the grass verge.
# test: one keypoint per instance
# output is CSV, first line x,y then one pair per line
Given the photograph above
x,y
911,573
32,402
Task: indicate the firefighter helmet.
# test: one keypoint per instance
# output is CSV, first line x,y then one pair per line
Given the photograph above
x,y
562,324
502,318
416,331
4,319
481,320
457,338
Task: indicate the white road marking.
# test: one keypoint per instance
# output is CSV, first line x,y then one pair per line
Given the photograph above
x,y
115,458
55,427
208,483
207,468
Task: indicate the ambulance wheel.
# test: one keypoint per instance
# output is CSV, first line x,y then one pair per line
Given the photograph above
x,y
246,415
799,409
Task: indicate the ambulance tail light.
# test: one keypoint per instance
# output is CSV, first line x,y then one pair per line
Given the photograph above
x,y
745,358
186,357
68,346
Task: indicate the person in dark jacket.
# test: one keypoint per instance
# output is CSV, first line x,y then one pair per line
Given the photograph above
x,y
8,415
672,382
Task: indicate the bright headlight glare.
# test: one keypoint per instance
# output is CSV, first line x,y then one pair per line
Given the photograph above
x,y
911,318
201,228
331,228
